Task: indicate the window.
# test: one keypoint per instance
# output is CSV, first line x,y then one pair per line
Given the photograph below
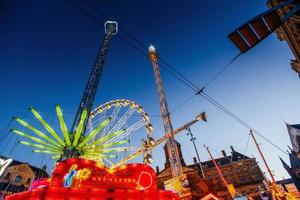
x,y
7,176
18,179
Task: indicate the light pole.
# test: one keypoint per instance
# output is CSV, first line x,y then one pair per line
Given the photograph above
x,y
196,150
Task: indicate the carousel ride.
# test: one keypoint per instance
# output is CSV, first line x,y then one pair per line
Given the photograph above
x,y
84,169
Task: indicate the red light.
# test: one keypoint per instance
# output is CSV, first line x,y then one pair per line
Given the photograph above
x,y
124,180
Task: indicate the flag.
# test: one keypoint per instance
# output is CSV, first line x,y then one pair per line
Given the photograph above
x,y
294,133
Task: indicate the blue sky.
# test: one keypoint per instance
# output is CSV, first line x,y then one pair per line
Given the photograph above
x,y
48,47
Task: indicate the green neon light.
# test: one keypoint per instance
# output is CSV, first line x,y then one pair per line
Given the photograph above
x,y
40,146
100,155
32,138
115,143
47,152
94,132
47,126
63,125
107,137
79,128
55,157
39,133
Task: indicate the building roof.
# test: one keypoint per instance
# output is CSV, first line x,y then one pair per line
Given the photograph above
x,y
39,172
297,126
235,156
226,159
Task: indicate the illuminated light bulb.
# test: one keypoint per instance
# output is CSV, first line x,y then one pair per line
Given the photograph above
x,y
122,167
152,48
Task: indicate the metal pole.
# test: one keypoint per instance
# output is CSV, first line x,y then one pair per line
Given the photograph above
x,y
217,167
262,157
196,150
229,187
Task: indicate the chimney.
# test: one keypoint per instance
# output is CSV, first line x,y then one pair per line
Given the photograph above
x,y
157,169
224,153
232,149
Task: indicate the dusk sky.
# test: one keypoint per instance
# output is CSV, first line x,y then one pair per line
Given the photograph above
x,y
48,48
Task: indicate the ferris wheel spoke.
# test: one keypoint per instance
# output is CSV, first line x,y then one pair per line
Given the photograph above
x,y
128,131
97,118
122,120
120,149
111,163
101,118
90,126
113,118
103,140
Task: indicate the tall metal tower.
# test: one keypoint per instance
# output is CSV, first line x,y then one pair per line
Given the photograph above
x,y
111,29
176,168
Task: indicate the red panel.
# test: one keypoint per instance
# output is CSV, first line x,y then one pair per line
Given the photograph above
x,y
238,41
260,28
249,35
92,181
273,20
53,193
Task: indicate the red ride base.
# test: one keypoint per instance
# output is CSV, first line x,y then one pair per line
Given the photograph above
x,y
51,193
78,178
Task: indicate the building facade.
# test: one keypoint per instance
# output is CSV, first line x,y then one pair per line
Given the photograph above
x,y
241,171
290,32
293,168
18,176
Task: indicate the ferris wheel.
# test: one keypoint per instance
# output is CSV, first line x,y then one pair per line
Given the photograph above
x,y
132,120
115,129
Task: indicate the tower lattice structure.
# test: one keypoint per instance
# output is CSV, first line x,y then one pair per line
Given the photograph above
x,y
175,164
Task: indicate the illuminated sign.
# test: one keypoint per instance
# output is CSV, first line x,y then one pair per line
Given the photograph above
x,y
69,176
75,178
4,164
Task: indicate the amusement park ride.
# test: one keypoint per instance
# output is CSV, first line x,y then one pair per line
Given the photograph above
x,y
84,169
83,155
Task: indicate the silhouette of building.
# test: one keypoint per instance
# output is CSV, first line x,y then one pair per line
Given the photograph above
x,y
293,168
18,176
240,170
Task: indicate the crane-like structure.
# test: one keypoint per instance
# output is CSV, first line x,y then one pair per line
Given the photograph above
x,y
159,141
277,192
176,168
111,29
